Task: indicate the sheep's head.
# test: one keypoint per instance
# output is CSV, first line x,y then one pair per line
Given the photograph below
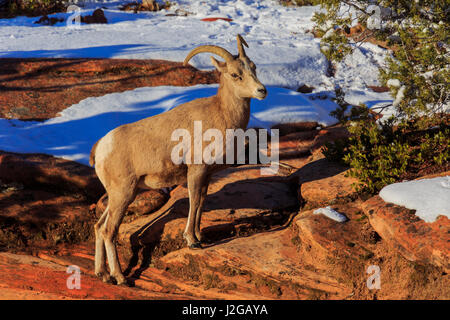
x,y
239,71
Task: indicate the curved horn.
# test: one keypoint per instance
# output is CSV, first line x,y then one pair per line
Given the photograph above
x,y
241,42
213,49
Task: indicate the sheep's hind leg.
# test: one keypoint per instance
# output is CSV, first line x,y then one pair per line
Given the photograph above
x,y
100,259
118,204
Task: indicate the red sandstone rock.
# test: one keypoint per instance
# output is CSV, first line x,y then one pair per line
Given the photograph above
x,y
323,237
98,16
297,144
216,18
34,170
286,128
45,20
266,265
31,218
303,139
414,238
239,202
329,134
45,200
323,182
25,277
378,89
48,86
304,88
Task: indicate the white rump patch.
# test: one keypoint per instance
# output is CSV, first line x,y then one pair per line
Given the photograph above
x,y
104,147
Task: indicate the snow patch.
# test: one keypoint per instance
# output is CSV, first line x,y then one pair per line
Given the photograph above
x,y
429,197
331,213
393,83
400,96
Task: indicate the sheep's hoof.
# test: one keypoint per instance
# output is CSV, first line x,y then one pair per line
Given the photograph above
x,y
196,245
125,283
106,278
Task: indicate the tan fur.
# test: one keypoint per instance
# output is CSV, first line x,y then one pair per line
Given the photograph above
x,y
92,154
140,154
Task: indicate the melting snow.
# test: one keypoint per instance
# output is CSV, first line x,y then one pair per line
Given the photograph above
x,y
429,197
331,213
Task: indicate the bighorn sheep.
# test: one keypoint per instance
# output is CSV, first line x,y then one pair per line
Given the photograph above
x,y
138,155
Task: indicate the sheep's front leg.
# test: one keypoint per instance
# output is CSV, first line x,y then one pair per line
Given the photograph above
x,y
198,216
196,182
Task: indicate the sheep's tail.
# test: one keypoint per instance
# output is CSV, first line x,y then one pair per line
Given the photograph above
x,y
92,155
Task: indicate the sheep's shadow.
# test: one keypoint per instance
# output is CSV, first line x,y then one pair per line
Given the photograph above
x,y
147,242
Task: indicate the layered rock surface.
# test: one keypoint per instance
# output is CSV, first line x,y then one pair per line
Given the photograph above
x,y
240,202
414,238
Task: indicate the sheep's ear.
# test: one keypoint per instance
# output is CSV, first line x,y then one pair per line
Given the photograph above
x,y
221,66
